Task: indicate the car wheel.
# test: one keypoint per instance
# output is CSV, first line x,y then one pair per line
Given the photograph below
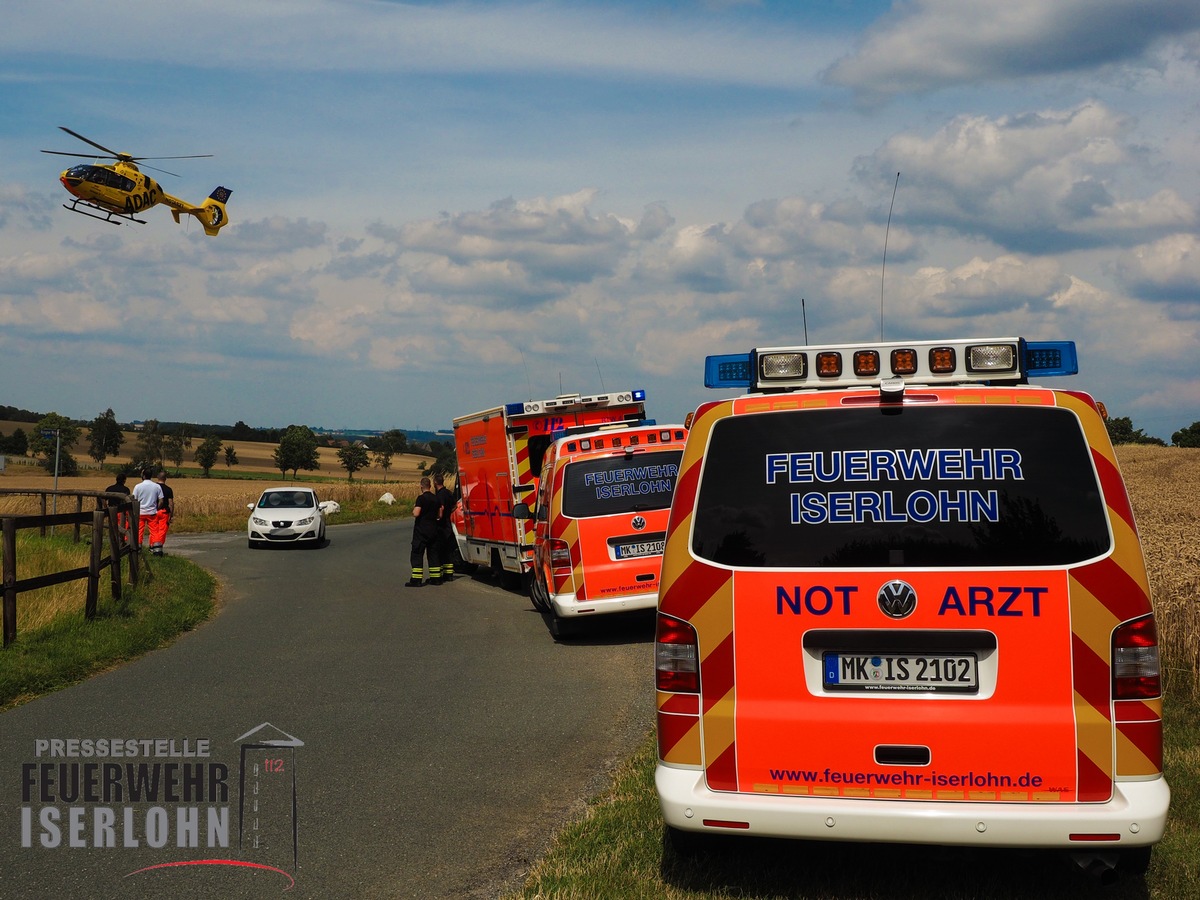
x,y
560,628
535,596
1135,861
689,844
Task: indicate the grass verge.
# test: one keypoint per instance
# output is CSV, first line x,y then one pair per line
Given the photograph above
x,y
617,851
70,648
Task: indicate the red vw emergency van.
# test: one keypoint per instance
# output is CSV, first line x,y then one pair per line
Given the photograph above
x,y
601,518
903,599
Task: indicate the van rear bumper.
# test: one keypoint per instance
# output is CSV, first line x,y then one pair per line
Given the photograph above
x,y
566,606
1136,815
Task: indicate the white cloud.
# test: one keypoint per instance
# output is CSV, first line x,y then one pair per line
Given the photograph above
x,y
930,44
1039,182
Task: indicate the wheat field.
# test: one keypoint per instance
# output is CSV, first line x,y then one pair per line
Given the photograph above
x,y
1163,484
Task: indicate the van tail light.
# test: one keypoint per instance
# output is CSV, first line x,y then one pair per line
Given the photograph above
x,y
1135,666
676,656
560,556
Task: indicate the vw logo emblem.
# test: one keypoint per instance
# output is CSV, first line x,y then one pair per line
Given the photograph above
x,y
897,599
638,523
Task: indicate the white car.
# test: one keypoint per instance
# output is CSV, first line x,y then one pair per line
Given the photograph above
x,y
288,514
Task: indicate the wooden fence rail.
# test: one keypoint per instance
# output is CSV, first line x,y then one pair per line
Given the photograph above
x,y
114,514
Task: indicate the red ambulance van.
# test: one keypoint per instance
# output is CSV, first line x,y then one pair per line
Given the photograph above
x,y
600,520
500,451
903,599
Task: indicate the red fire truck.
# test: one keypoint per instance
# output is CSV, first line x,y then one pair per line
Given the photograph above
x,y
500,453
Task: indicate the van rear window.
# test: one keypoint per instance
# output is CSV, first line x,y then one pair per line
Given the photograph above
x,y
898,487
616,484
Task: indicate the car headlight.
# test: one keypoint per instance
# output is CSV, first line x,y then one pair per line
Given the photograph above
x,y
308,521
261,523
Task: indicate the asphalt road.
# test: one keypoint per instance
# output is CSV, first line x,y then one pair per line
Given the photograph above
x,y
433,740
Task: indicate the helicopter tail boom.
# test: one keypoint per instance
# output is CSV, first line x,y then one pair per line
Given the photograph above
x,y
211,212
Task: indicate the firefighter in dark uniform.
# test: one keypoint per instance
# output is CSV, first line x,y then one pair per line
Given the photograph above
x,y
447,549
426,510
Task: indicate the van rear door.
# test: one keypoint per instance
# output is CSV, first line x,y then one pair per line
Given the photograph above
x,y
911,602
619,506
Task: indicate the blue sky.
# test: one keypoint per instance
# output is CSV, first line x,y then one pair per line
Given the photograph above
x,y
440,207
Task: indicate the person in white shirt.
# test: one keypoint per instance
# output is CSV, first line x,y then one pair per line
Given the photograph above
x,y
148,493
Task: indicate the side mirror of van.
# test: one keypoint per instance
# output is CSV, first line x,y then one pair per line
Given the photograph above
x,y
521,511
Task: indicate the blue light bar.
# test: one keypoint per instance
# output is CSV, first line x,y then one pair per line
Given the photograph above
x,y
1046,358
728,370
639,396
514,409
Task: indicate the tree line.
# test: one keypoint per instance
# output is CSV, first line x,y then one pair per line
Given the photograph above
x,y
52,437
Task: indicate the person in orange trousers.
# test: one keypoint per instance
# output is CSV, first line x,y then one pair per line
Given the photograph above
x,y
149,496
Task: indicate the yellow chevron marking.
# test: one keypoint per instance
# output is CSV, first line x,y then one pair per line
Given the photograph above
x,y
1131,760
1093,735
1091,620
1128,552
1093,426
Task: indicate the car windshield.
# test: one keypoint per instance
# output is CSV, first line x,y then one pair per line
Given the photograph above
x,y
287,500
900,487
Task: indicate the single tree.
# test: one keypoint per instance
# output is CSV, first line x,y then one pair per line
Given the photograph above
x,y
353,457
150,444
387,445
383,459
104,437
446,461
395,440
53,436
1187,437
16,444
230,455
177,443
207,453
297,450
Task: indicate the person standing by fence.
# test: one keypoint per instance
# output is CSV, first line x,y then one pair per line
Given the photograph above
x,y
118,487
167,509
149,496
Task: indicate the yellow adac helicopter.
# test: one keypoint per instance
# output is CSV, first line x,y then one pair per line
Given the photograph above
x,y
120,190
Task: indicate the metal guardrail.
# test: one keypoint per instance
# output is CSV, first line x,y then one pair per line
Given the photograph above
x,y
114,515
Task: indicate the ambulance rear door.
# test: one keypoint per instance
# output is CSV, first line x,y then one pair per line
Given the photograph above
x,y
911,602
610,509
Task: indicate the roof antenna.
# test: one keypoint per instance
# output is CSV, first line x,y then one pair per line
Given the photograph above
x,y
804,318
527,379
886,232
601,374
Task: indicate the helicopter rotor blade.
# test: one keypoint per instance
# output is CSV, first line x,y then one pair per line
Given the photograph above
x,y
77,155
89,141
193,156
164,171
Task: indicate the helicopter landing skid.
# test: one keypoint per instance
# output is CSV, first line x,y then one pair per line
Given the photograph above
x,y
108,213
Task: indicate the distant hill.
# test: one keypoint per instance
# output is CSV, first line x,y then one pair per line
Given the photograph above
x,y
240,431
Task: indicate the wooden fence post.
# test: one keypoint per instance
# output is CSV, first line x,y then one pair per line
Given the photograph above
x,y
114,549
10,581
93,580
135,541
